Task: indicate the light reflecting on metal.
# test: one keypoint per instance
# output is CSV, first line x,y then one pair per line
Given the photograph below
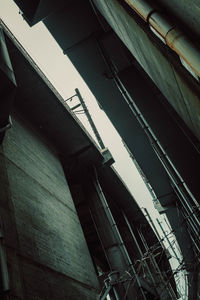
x,y
173,37
141,7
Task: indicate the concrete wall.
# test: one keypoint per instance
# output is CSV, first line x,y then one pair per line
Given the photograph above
x,y
174,81
47,254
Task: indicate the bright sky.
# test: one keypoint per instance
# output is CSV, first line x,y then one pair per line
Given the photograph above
x,y
48,55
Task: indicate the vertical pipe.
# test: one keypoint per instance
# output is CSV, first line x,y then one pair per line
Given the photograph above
x,y
154,263
97,135
116,231
172,35
166,161
166,237
154,227
116,293
138,247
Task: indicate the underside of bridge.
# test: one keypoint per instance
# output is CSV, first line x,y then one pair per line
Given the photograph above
x,y
141,61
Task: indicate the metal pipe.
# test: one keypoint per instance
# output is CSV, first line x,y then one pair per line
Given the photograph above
x,y
167,286
138,247
186,198
176,178
189,214
154,227
177,183
166,237
160,152
116,231
116,293
172,35
141,7
99,139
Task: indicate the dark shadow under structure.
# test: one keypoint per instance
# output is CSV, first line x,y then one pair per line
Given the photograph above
x,y
70,229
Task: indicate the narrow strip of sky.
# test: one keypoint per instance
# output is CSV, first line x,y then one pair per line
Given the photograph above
x,y
44,50
48,55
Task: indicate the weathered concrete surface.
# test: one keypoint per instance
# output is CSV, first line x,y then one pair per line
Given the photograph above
x,y
181,93
48,251
7,87
85,53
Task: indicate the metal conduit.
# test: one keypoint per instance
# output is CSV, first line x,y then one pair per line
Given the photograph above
x,y
190,213
190,221
166,285
172,35
116,231
162,155
178,184
139,249
153,139
186,199
169,167
174,176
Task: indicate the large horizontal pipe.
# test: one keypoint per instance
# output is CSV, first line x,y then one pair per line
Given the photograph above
x,y
173,37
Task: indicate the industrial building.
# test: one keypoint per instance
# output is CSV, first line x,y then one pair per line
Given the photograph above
x,y
141,60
